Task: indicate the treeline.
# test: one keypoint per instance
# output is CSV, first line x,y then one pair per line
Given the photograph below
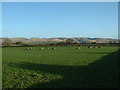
x,y
69,42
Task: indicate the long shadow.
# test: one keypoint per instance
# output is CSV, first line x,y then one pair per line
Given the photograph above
x,y
100,74
90,52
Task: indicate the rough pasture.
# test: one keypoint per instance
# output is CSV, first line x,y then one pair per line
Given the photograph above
x,y
62,67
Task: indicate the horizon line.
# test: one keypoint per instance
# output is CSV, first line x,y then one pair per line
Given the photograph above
x,y
62,37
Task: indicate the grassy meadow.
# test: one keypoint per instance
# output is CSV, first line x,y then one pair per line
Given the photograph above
x,y
60,68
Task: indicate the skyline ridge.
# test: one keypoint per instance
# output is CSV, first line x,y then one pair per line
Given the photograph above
x,y
62,37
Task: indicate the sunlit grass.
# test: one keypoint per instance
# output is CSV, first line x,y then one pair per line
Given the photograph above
x,y
23,68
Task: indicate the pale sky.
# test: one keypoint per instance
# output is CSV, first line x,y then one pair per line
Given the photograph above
x,y
60,19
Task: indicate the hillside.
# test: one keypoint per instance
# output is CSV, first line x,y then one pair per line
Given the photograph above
x,y
60,39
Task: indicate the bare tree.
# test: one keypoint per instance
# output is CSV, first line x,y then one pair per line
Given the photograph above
x,y
70,40
7,42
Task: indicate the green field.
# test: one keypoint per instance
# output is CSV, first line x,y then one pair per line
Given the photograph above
x,y
60,68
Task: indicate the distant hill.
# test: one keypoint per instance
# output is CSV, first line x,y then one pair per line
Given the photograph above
x,y
18,39
60,39
42,40
14,40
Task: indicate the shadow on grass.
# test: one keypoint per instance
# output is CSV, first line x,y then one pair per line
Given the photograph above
x,y
100,74
90,52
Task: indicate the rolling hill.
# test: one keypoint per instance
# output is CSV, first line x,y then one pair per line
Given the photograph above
x,y
60,39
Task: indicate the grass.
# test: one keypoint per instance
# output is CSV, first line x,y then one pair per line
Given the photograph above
x,y
60,68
